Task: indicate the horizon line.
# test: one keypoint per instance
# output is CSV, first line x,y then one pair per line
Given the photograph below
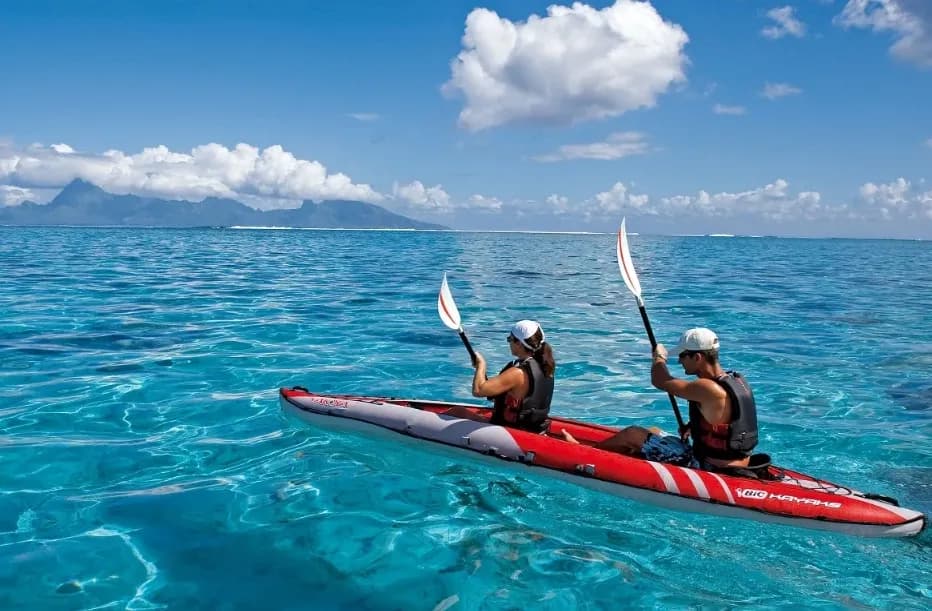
x,y
411,230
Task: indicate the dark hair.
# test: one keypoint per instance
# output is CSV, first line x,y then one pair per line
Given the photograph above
x,y
542,352
710,355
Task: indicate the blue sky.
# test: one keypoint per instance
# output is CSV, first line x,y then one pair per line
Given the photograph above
x,y
807,118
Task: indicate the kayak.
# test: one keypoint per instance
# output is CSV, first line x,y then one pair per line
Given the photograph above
x,y
782,496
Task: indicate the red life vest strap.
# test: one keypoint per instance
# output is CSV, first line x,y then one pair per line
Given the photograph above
x,y
714,435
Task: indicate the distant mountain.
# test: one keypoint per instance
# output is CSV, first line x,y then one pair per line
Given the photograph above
x,y
81,203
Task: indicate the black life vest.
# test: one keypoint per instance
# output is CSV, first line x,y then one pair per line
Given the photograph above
x,y
734,439
530,413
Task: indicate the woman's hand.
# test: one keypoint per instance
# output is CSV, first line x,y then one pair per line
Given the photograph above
x,y
479,378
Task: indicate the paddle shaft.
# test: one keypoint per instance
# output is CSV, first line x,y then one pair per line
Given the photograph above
x,y
653,344
472,353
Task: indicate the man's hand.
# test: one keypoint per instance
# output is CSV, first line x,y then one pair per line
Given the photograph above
x,y
684,432
479,361
660,353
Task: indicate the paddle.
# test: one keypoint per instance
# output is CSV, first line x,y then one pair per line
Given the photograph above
x,y
626,265
450,315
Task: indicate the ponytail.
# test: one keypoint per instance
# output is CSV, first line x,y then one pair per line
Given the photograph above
x,y
544,358
543,353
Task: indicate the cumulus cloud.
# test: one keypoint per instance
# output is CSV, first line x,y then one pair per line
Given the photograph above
x,y
910,21
558,204
620,198
433,199
721,109
208,170
436,200
14,196
483,202
575,63
363,116
898,199
772,91
772,201
786,24
616,146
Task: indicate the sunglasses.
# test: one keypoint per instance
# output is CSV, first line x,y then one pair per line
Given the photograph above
x,y
686,353
512,339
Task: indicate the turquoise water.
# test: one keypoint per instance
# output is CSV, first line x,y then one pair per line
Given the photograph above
x,y
146,462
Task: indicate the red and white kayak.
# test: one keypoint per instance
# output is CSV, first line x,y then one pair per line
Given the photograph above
x,y
789,498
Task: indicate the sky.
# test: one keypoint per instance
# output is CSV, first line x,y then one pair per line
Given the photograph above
x,y
811,119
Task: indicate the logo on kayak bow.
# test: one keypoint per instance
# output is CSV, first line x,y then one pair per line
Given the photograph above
x,y
751,493
331,402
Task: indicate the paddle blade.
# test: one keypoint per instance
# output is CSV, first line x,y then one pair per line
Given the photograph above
x,y
625,264
446,307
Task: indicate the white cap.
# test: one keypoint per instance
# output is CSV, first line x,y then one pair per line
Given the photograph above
x,y
696,340
524,330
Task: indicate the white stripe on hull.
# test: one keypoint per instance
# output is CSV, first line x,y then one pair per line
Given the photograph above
x,y
665,476
731,499
698,483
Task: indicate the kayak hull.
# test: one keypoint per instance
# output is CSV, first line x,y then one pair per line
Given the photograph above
x,y
791,498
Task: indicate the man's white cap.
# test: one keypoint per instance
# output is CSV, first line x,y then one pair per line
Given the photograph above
x,y
696,340
525,329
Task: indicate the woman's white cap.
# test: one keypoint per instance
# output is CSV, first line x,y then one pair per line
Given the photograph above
x,y
525,329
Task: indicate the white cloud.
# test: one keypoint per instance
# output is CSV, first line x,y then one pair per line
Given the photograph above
x,y
786,24
616,146
574,64
433,199
618,198
721,109
773,91
436,200
363,116
928,143
559,204
482,202
909,20
14,196
898,199
208,170
8,163
772,201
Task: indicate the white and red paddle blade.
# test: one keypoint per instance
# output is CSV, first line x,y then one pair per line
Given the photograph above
x,y
446,307
625,264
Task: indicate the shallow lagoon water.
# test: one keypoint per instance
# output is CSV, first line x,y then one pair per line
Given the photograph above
x,y
146,461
